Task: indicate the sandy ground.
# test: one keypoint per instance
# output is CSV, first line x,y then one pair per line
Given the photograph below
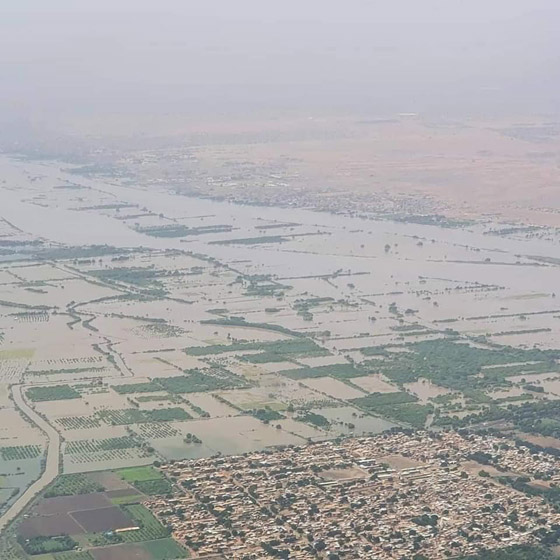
x,y
506,170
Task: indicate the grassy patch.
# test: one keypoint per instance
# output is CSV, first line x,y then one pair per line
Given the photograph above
x,y
147,480
137,474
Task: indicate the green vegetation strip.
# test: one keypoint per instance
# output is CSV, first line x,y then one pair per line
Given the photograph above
x,y
303,347
339,371
240,322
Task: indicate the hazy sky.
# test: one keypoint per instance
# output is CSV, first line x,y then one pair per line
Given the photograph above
x,y
60,57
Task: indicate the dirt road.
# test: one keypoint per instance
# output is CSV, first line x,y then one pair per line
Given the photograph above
x,y
52,464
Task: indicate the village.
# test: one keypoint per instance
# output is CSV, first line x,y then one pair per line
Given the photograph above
x,y
395,495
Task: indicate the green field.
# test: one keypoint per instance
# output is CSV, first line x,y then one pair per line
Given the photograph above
x,y
72,484
73,555
139,474
456,365
150,527
148,387
52,393
95,445
19,452
165,549
128,416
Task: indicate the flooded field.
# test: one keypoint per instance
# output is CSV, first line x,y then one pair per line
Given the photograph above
x,y
147,326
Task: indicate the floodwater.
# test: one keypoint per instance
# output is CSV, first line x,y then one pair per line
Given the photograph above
x,y
342,419
380,283
425,390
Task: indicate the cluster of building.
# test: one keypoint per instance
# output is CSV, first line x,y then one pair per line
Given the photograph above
x,y
393,496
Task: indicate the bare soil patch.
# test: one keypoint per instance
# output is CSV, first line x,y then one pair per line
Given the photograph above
x,y
104,519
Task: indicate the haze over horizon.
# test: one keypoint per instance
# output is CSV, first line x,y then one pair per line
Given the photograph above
x,y
65,60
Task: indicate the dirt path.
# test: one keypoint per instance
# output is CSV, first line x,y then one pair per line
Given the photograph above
x,y
52,464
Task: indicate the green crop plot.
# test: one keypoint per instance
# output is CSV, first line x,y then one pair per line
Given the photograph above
x,y
128,416
95,445
165,549
150,527
137,474
148,387
52,393
20,452
72,484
